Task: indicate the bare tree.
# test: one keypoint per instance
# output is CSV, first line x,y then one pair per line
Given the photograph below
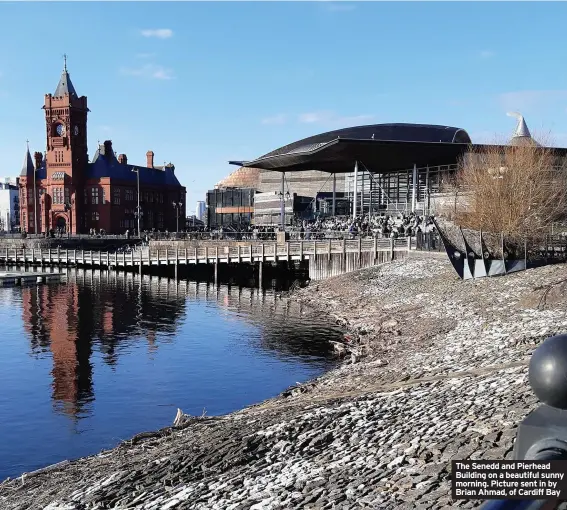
x,y
519,190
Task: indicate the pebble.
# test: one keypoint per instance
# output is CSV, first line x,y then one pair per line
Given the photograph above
x,y
380,433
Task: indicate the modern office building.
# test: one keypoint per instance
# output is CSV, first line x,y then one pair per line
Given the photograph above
x,y
200,210
9,205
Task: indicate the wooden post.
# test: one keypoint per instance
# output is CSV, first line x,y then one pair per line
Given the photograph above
x,y
132,257
176,256
167,255
157,255
186,260
276,251
391,248
287,250
33,256
49,259
262,253
251,255
83,257
216,257
238,248
196,260
525,253
301,250
58,255
75,256
375,249
67,257
207,254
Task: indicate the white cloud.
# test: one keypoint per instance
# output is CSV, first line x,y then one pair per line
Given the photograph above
x,y
486,54
280,118
329,118
531,99
160,33
153,71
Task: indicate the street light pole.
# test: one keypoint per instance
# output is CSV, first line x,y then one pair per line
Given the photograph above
x,y
177,206
137,170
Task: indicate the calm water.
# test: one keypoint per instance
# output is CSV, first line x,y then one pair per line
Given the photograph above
x,y
86,364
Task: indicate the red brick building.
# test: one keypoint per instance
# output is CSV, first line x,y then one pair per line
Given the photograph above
x,y
75,194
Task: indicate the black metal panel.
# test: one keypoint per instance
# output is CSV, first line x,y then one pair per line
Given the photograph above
x,y
469,254
485,254
456,256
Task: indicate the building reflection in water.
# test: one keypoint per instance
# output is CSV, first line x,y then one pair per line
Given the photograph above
x,y
99,310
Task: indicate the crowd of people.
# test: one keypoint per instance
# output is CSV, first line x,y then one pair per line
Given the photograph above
x,y
401,225
336,227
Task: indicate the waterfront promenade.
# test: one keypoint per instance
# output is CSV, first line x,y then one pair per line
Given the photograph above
x,y
435,369
325,258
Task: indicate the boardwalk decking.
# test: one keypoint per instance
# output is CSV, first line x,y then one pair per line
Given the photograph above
x,y
221,253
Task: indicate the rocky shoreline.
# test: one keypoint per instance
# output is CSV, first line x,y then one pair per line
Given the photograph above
x,y
434,369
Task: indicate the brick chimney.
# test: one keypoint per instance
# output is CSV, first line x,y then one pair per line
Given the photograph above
x,y
108,147
150,159
38,157
122,159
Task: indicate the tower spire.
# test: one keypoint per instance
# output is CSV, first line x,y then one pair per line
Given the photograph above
x,y
27,167
65,86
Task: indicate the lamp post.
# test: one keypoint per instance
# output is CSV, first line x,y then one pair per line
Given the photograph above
x,y
177,206
69,209
138,213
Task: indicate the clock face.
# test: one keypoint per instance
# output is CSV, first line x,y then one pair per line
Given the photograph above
x,y
60,129
76,130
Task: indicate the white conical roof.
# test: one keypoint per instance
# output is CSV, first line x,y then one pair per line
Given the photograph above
x,y
522,134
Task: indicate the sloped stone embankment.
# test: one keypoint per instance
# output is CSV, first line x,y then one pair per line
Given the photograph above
x,y
435,369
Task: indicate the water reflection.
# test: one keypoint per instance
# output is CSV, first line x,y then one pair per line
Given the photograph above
x,y
101,313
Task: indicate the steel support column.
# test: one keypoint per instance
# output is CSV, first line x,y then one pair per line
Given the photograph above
x,y
355,195
414,188
282,210
334,210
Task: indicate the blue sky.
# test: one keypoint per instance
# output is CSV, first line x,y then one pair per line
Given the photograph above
x,y
203,83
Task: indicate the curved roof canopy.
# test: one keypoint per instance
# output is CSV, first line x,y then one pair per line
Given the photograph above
x,y
380,147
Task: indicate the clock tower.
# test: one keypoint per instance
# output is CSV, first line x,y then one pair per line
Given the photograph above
x,y
66,156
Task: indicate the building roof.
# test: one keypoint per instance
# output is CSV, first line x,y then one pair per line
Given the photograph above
x,y
65,86
522,135
381,147
105,164
27,168
241,178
